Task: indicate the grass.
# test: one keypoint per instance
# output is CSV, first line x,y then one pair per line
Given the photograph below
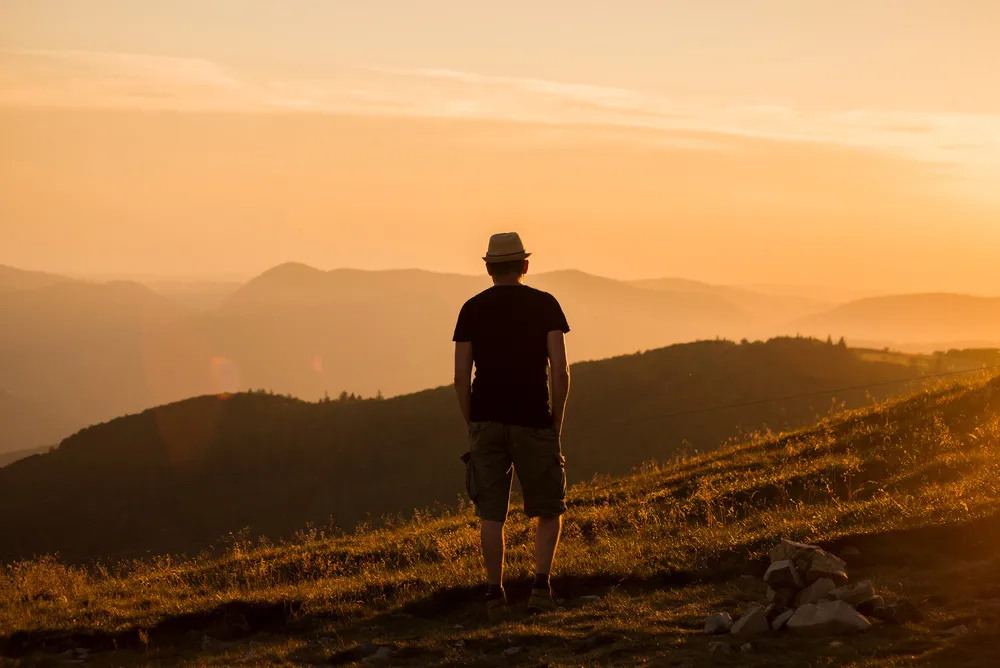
x,y
914,483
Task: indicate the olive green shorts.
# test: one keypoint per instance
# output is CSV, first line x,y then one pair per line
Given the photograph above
x,y
497,451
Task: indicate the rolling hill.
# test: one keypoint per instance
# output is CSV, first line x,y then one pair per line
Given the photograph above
x,y
95,351
179,476
19,279
906,320
768,310
910,485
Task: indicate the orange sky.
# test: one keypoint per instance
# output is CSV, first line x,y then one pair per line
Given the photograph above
x,y
841,143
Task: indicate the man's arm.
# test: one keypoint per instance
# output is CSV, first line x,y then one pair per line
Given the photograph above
x,y
463,378
559,377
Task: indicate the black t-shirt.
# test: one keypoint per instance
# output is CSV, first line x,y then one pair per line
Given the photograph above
x,y
508,326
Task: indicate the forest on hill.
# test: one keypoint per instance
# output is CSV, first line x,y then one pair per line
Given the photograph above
x,y
177,477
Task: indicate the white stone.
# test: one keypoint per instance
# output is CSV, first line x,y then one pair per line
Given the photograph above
x,y
718,623
782,620
827,618
718,648
783,574
855,594
815,592
788,550
746,648
511,651
752,623
825,565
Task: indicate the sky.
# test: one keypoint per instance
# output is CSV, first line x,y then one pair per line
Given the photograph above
x,y
853,143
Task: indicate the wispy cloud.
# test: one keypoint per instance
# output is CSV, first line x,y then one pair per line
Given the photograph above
x,y
125,80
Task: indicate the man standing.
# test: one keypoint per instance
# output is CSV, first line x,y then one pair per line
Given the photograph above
x,y
514,335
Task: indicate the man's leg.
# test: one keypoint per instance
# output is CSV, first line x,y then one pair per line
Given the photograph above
x,y
493,551
547,534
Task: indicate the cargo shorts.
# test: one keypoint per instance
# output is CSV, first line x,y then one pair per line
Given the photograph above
x,y
497,450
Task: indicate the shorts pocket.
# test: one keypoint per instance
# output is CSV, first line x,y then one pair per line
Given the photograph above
x,y
559,476
471,486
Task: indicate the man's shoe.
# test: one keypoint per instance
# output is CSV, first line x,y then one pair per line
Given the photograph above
x,y
541,601
496,608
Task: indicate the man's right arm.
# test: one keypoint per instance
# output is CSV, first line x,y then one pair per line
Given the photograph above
x,y
463,377
558,376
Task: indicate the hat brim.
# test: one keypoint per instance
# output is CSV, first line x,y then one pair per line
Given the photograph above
x,y
513,257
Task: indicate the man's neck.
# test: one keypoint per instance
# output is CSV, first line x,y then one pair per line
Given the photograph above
x,y
507,280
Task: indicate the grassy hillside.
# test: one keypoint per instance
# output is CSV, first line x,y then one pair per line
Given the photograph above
x,y
177,477
914,484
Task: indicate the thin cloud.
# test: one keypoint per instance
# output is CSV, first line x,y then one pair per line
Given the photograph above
x,y
141,81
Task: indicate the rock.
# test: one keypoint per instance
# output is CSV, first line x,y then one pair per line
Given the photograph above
x,y
825,565
719,648
590,598
783,597
900,612
855,594
782,620
773,610
511,651
379,655
850,554
783,575
868,608
752,623
815,592
746,648
960,630
836,644
788,550
460,644
718,623
827,618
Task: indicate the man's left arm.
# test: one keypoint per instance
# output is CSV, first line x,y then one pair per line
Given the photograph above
x,y
463,377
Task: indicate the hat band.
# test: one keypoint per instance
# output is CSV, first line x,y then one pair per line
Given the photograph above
x,y
520,252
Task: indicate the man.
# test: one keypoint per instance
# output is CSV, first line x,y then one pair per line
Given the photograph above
x,y
514,335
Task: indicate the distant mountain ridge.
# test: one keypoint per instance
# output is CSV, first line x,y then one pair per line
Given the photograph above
x,y
911,319
94,351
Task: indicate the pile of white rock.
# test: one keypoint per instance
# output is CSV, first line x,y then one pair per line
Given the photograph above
x,y
808,593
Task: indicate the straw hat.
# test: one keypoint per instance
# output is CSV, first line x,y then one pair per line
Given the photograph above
x,y
505,247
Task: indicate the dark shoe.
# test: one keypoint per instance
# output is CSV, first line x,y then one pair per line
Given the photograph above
x,y
541,601
496,608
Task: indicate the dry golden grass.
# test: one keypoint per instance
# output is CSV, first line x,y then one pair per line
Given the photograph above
x,y
910,481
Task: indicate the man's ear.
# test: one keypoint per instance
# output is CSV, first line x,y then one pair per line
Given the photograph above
x,y
524,269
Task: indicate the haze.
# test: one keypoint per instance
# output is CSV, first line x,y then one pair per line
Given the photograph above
x,y
850,144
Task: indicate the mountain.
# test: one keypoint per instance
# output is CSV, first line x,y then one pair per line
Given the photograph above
x,y
177,477
303,331
959,320
197,295
31,424
767,310
95,351
910,486
19,279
